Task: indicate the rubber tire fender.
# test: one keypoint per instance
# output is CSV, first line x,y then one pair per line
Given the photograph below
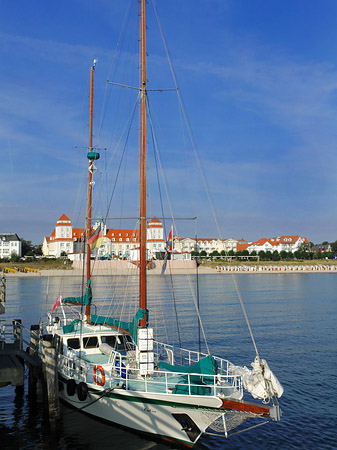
x,y
82,391
71,387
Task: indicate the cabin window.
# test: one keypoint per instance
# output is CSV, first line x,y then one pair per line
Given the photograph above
x,y
110,340
125,343
73,343
90,342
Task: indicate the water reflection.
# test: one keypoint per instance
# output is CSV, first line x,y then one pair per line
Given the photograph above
x,y
293,321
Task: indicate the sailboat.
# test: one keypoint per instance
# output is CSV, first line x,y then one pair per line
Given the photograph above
x,y
117,370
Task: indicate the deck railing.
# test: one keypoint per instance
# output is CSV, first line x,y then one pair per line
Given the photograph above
x,y
117,373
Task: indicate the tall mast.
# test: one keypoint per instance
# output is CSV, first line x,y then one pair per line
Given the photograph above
x,y
91,157
142,269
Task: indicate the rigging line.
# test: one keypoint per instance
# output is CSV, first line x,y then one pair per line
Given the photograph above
x,y
174,224
122,196
103,111
245,315
187,122
160,164
128,124
165,231
198,297
165,45
148,217
172,71
121,160
202,172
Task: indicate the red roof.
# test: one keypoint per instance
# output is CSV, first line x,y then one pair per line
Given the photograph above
x,y
155,223
61,221
240,247
117,234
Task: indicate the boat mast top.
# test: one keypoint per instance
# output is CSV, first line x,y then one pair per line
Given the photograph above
x,y
142,256
92,156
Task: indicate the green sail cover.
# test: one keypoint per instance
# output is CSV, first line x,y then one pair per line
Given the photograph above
x,y
70,327
83,300
194,384
205,366
131,327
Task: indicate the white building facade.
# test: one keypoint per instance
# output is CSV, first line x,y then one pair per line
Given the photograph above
x,y
10,244
208,245
65,239
281,243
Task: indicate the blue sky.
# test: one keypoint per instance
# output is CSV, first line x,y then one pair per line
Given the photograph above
x,y
259,82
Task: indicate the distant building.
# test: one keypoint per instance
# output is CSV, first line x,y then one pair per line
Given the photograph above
x,y
208,245
321,248
116,242
64,239
281,243
10,244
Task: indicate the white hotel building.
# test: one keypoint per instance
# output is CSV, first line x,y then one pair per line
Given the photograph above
x,y
66,239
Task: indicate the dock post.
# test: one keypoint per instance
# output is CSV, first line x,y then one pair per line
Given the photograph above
x,y
33,350
49,364
2,294
17,333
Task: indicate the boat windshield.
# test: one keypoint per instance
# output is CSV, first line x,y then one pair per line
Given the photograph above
x,y
120,342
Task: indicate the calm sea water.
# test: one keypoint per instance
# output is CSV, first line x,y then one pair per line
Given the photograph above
x,y
293,318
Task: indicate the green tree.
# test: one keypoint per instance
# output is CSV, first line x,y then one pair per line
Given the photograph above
x,y
298,254
334,246
15,257
37,249
26,246
262,255
283,255
268,255
290,255
275,256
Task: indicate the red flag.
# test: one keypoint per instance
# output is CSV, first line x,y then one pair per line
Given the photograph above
x,y
168,248
58,301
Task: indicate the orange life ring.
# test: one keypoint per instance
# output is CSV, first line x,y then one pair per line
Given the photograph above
x,y
99,378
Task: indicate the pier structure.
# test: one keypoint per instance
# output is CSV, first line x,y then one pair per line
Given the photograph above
x,y
13,359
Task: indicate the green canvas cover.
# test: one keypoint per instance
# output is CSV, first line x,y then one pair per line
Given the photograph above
x,y
206,366
70,327
83,300
198,383
131,327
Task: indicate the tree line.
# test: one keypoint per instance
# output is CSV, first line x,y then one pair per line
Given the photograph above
x,y
305,252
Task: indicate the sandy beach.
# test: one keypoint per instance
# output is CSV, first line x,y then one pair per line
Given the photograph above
x,y
219,270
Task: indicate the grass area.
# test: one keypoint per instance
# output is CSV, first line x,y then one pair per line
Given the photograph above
x,y
40,264
301,262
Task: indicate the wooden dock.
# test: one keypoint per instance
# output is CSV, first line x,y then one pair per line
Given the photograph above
x,y
41,369
11,366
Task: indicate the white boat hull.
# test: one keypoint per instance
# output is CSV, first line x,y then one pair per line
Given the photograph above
x,y
177,418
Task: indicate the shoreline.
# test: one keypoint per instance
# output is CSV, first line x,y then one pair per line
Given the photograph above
x,y
219,270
